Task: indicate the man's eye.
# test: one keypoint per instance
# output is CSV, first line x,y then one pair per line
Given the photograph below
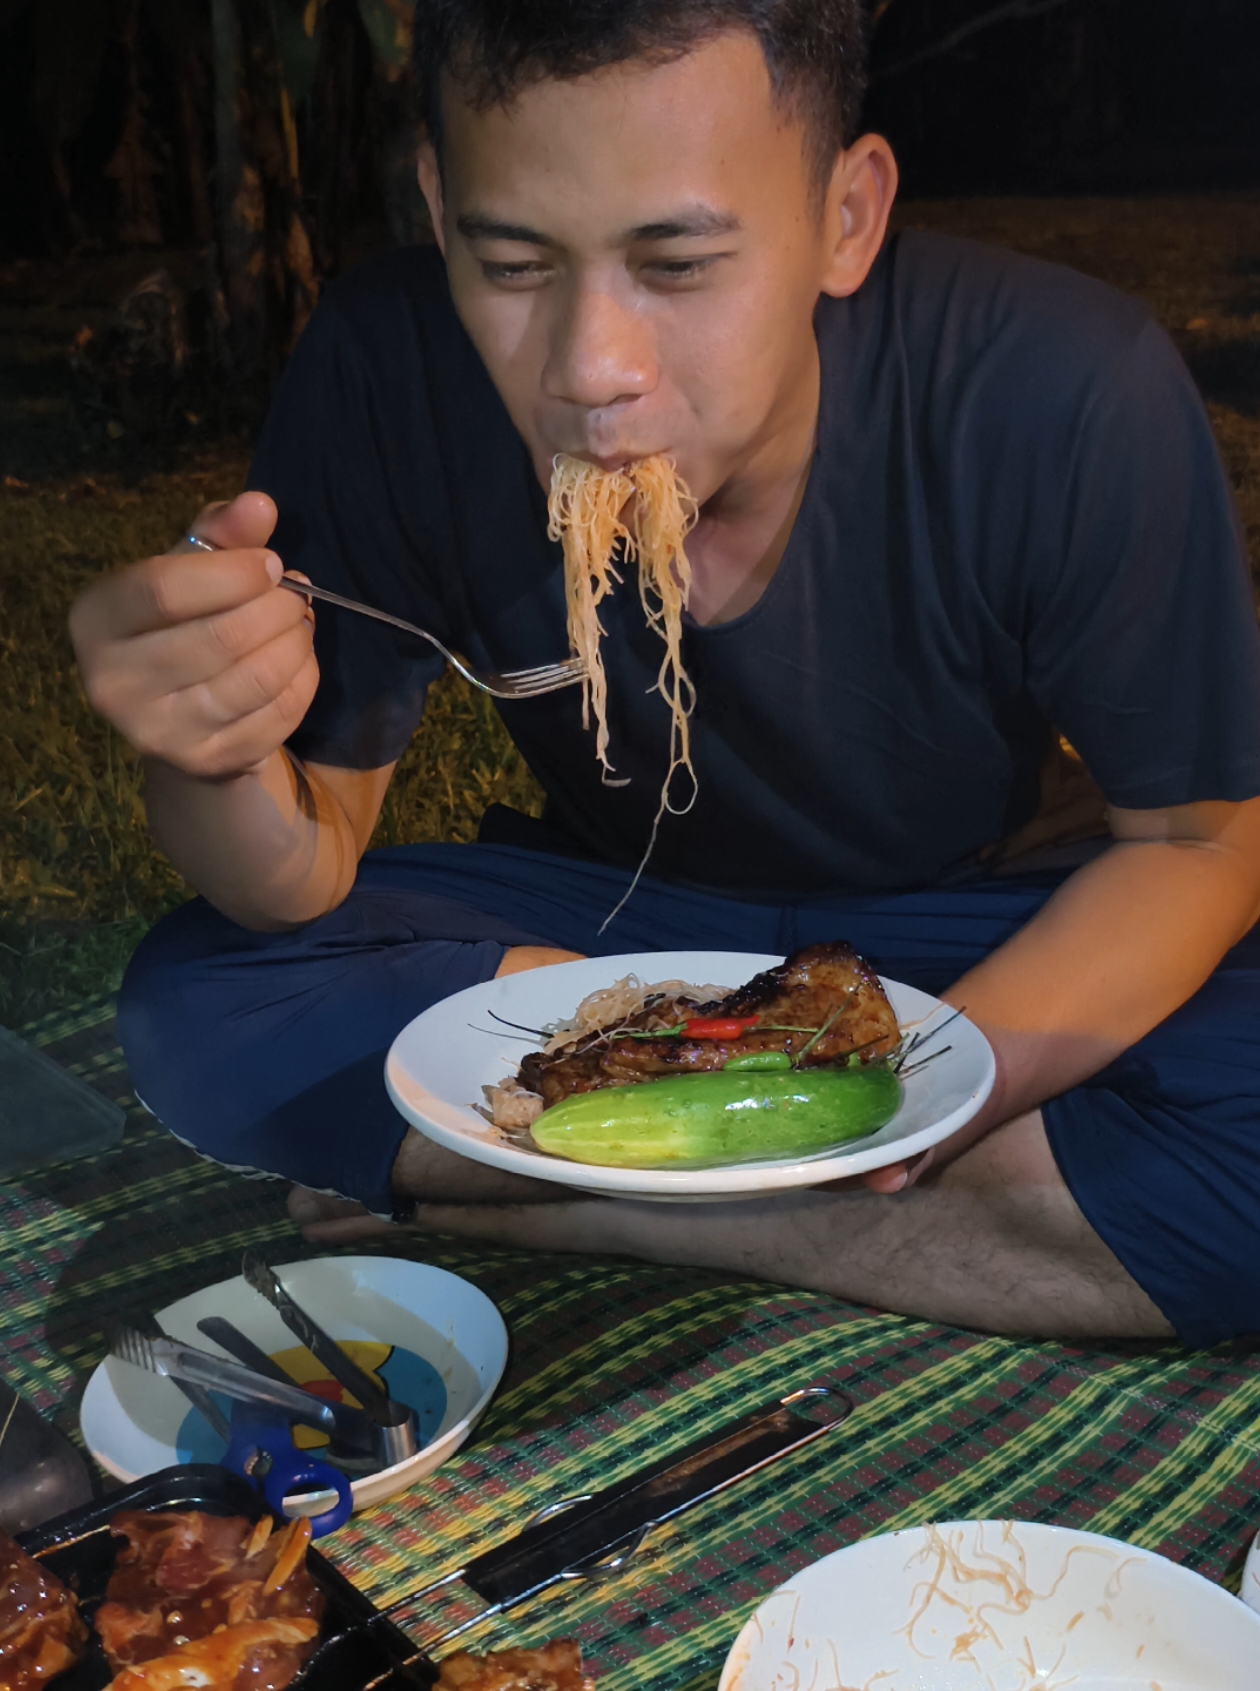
x,y
525,270
680,269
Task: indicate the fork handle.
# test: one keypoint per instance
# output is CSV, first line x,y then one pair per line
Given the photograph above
x,y
309,591
194,542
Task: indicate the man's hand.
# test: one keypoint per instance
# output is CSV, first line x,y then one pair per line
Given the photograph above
x,y
1122,944
199,659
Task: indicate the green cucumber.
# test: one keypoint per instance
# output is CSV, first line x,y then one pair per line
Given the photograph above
x,y
728,1116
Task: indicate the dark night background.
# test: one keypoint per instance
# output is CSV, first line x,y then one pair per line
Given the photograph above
x,y
1098,96
1093,96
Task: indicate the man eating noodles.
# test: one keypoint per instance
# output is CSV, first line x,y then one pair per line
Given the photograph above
x,y
950,506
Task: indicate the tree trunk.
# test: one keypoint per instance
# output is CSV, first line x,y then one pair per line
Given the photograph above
x,y
269,277
191,93
273,146
242,213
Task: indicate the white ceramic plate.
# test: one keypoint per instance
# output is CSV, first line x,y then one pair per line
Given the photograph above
x,y
1250,1589
1023,1608
439,1063
446,1346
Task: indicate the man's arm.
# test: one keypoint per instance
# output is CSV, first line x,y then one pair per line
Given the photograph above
x,y
273,847
206,666
1121,945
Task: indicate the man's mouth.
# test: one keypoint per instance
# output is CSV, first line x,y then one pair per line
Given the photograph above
x,y
611,461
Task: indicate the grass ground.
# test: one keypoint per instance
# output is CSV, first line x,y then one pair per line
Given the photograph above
x,y
79,880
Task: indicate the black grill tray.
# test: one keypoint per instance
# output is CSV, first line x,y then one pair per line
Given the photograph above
x,y
356,1643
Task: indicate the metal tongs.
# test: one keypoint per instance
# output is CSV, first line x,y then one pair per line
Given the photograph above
x,y
259,1442
386,1412
348,1428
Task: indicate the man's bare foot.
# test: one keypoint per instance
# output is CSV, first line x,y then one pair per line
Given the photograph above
x,y
326,1220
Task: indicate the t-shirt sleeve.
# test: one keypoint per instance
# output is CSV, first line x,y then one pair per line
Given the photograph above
x,y
347,455
1142,644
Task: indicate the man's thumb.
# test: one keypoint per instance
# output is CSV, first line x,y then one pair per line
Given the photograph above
x,y
247,520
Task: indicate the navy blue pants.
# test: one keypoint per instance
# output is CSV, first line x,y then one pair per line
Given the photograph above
x,y
265,1051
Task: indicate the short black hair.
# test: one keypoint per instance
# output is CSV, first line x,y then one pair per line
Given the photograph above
x,y
815,51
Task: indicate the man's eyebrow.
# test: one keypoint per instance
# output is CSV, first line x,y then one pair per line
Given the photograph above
x,y
701,221
693,225
475,227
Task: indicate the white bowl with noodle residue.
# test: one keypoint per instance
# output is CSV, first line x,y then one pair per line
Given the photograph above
x,y
996,1606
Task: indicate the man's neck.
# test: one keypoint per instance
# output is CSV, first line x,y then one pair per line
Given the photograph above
x,y
743,530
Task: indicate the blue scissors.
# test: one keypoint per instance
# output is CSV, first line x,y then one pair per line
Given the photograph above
x,y
261,1450
260,1441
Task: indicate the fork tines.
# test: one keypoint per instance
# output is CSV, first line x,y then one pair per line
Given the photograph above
x,y
569,666
546,678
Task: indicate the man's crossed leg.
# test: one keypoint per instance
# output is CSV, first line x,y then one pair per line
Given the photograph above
x,y
1128,1207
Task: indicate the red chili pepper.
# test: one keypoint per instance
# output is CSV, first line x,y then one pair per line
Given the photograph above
x,y
718,1027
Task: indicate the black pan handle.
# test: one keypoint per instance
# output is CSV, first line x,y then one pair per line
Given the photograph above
x,y
598,1534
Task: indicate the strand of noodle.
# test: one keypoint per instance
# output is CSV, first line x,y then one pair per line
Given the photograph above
x,y
664,512
584,512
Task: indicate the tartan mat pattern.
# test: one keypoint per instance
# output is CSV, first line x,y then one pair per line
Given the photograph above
x,y
616,1364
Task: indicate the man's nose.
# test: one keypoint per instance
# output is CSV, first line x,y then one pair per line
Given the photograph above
x,y
602,352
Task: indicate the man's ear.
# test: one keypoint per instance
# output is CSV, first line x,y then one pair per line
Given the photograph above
x,y
430,179
859,199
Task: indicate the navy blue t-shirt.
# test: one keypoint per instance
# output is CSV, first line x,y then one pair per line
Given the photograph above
x,y
1016,524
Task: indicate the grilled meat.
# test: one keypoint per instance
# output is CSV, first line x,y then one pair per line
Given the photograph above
x,y
40,1630
207,1600
791,1003
556,1667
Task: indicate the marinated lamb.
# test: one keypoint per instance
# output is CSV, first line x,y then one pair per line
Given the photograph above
x,y
41,1633
555,1667
211,1601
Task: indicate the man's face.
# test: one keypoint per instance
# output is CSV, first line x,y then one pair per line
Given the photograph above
x,y
637,256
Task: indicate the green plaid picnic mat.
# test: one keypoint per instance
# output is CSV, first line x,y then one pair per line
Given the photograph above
x,y
614,1364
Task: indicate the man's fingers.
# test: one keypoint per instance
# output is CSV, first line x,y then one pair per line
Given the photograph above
x,y
249,685
896,1177
246,521
163,592
242,743
891,1178
197,651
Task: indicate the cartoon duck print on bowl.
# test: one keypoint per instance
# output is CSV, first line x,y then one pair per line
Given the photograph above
x,y
405,1376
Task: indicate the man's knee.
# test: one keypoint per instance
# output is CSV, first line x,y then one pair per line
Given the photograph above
x,y
153,1001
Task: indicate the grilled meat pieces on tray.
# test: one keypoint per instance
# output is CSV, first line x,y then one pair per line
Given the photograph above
x,y
41,1633
801,995
208,1600
555,1667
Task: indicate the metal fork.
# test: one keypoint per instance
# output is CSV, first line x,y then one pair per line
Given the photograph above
x,y
511,684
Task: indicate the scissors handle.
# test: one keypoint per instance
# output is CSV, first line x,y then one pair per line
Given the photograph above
x,y
292,1472
262,1451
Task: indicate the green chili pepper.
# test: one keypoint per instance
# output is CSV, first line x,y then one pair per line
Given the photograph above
x,y
758,1060
703,1120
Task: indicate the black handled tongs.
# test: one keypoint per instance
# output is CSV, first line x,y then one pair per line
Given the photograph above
x,y
594,1536
345,1425
383,1409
